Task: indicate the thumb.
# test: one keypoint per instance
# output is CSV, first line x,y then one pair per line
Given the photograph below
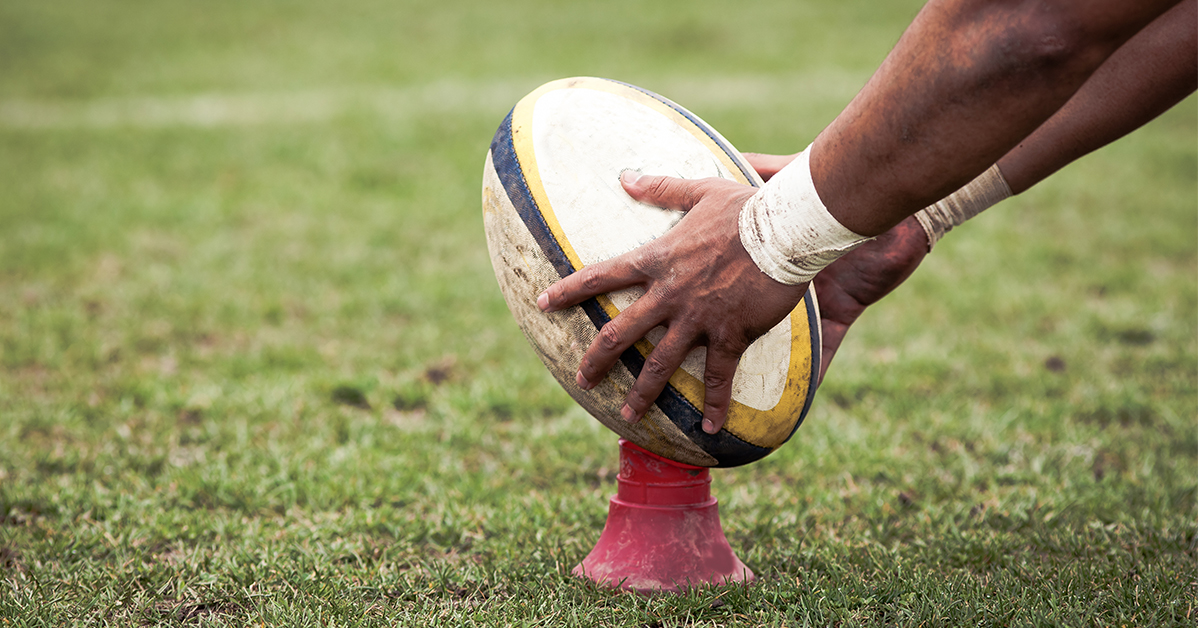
x,y
665,192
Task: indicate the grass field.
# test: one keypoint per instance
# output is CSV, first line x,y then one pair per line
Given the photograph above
x,y
255,369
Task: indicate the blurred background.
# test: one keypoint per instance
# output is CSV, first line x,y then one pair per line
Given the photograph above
x,y
249,332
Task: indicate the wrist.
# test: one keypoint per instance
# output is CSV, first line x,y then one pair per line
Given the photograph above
x,y
787,230
964,204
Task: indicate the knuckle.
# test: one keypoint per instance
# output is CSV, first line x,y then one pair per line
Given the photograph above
x,y
718,341
726,342
610,337
658,186
656,368
670,290
716,381
651,257
590,278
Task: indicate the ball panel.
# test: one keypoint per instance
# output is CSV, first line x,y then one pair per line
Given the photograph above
x,y
697,127
672,426
767,399
580,127
524,140
583,140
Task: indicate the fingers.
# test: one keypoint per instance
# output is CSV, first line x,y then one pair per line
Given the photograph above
x,y
851,284
666,192
658,368
608,276
614,338
719,368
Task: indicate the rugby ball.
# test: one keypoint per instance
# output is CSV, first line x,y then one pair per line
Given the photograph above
x,y
553,203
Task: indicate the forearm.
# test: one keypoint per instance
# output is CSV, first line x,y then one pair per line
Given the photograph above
x,y
1151,73
965,84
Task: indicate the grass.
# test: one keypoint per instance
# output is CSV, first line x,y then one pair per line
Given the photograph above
x,y
254,368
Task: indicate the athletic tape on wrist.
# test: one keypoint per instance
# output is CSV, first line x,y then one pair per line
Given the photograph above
x,y
969,201
787,230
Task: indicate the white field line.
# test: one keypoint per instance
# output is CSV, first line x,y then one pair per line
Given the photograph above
x,y
252,109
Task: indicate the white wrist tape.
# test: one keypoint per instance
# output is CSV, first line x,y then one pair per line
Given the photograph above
x,y
969,201
787,230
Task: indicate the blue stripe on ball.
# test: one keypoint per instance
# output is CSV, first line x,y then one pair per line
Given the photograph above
x,y
512,177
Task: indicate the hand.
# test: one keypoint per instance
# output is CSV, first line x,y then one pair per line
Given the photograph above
x,y
700,284
863,276
860,278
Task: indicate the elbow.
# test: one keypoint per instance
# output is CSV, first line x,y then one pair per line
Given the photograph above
x,y
1050,46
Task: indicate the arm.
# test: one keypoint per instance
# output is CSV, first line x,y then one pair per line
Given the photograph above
x,y
1147,76
1151,73
910,137
966,82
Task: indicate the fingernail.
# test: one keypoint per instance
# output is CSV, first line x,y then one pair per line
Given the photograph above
x,y
627,413
581,382
543,301
630,177
708,427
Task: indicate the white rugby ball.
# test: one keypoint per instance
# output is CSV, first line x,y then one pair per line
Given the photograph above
x,y
553,203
